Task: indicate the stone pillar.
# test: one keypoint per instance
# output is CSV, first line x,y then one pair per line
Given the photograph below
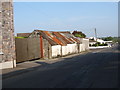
x,y
0,32
7,41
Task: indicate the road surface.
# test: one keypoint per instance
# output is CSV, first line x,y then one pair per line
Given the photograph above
x,y
96,69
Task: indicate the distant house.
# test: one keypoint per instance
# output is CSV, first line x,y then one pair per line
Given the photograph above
x,y
91,42
23,34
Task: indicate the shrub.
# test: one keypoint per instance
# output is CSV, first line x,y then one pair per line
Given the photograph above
x,y
105,44
79,34
20,37
99,44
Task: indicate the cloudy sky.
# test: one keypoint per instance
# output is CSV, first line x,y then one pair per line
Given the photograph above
x,y
67,16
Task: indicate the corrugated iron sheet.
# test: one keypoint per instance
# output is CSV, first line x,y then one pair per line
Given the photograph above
x,y
63,38
58,38
53,38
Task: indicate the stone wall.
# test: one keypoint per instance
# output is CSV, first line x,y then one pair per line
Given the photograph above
x,y
47,49
0,31
7,42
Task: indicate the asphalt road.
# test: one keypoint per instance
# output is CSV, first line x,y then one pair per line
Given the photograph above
x,y
96,69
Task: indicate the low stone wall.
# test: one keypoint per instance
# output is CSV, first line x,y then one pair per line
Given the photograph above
x,y
99,47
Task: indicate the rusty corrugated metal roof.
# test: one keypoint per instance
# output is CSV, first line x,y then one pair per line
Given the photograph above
x,y
71,40
53,37
58,38
77,41
47,37
63,38
71,37
68,37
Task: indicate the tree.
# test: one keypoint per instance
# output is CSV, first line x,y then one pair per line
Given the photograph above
x,y
79,34
108,38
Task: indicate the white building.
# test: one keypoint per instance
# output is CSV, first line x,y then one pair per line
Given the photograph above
x,y
93,40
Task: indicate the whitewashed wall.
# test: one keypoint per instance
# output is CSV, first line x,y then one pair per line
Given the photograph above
x,y
86,43
69,49
64,50
72,48
56,50
81,47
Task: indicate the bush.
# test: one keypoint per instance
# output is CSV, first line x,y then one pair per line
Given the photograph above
x,y
90,45
105,44
95,45
108,38
79,34
99,44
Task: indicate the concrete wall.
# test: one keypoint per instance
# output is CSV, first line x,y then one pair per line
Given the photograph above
x,y
8,64
7,41
27,49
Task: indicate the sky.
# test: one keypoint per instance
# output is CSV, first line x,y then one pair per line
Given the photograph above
x,y
67,16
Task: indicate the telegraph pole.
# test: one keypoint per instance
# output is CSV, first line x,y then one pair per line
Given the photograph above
x,y
96,34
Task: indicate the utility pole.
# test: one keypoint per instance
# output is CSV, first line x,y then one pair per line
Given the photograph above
x,y
96,34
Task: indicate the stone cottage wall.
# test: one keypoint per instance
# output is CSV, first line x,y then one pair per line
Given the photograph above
x,y
47,49
7,41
